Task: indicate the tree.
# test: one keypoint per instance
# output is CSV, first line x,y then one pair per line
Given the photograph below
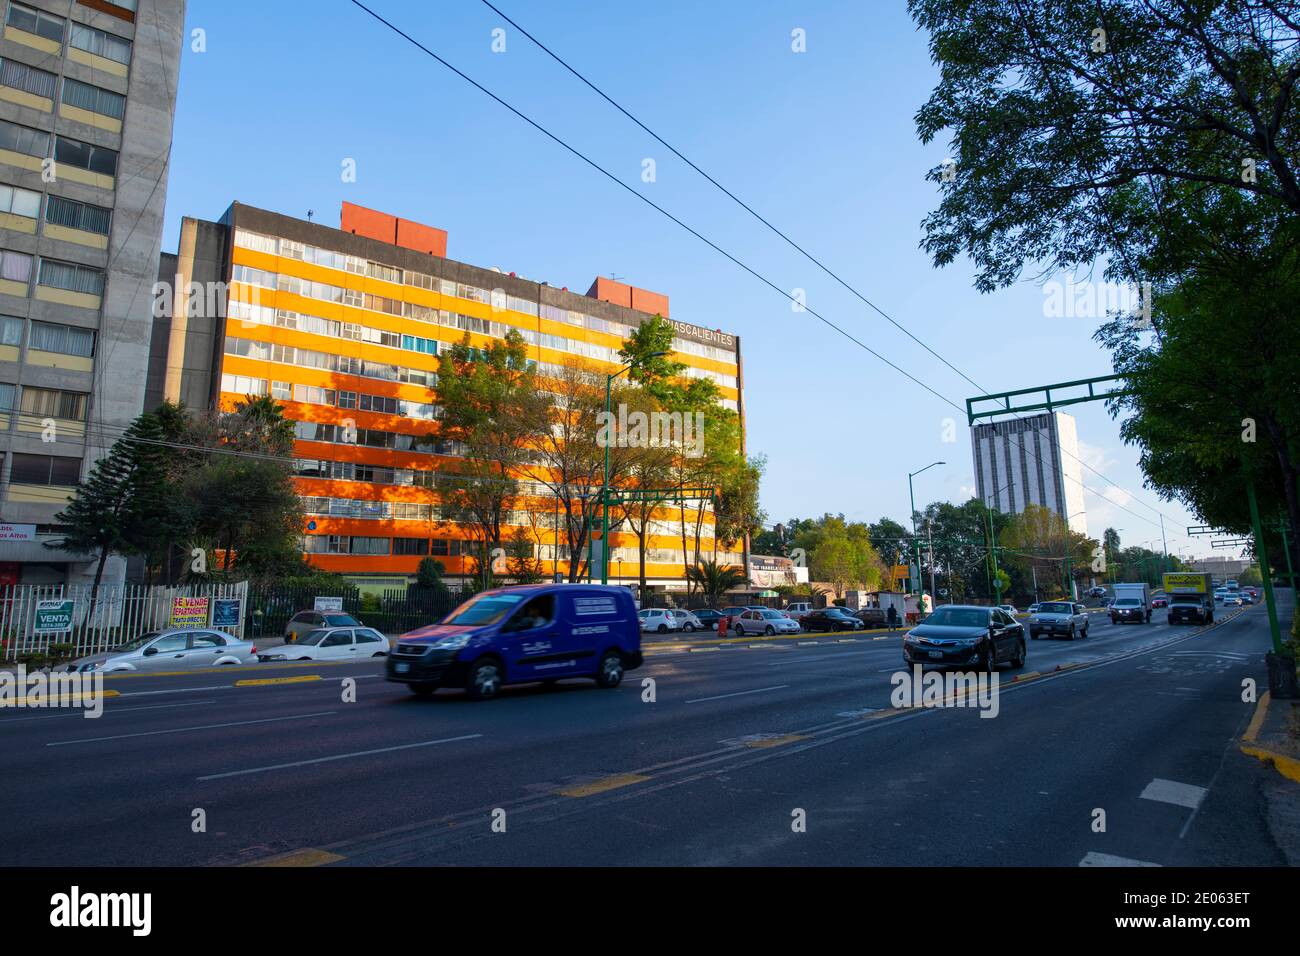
x,y
522,562
1060,112
713,580
124,494
494,412
654,372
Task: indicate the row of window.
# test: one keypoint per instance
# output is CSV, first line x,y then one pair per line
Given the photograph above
x,y
44,402
350,331
59,211
47,336
53,470
69,276
343,364
81,37
375,438
67,151
335,398
29,79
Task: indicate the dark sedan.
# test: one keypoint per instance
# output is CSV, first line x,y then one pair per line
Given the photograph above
x,y
830,619
708,617
958,635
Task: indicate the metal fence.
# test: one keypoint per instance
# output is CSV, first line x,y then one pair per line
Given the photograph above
x,y
30,621
394,611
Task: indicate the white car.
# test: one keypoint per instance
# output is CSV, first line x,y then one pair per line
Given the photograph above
x,y
1010,609
659,620
766,621
688,621
329,644
1232,599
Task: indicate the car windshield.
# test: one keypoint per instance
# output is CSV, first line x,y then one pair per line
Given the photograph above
x,y
1055,607
341,620
959,617
1127,602
138,643
483,609
769,615
312,637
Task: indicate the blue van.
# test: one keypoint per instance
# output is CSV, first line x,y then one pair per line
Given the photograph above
x,y
517,635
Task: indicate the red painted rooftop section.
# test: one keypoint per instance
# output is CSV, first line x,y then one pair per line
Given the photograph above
x,y
394,230
643,300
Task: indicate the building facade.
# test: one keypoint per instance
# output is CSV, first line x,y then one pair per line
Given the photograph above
x,y
1031,461
87,101
344,326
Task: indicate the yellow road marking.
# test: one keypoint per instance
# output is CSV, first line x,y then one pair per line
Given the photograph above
x,y
1029,675
1288,767
262,681
602,785
1257,721
775,741
299,858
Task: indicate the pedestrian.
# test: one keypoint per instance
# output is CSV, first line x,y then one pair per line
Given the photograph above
x,y
892,617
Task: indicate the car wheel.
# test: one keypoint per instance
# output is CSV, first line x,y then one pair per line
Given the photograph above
x,y
770,630
1018,661
377,654
989,663
740,631
304,658
422,690
690,628
484,680
1085,632
663,628
1071,635
610,673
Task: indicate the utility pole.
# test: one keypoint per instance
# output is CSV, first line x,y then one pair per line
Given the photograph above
x,y
916,543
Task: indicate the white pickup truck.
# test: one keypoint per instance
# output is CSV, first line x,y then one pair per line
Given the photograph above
x,y
1063,618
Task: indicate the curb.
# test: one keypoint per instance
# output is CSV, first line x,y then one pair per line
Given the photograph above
x,y
1287,766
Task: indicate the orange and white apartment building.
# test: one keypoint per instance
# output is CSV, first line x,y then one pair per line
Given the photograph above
x,y
344,327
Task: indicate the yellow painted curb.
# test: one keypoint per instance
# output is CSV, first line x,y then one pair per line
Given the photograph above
x,y
263,681
775,741
1288,767
1030,675
1257,719
299,858
602,785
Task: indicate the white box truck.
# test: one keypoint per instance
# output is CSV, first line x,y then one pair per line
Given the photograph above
x,y
1132,604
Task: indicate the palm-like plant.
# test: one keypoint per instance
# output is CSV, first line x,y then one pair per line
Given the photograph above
x,y
715,579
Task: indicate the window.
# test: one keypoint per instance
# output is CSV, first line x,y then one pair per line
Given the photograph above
x,y
242,384
15,266
96,159
71,277
20,76
207,639
281,390
54,403
440,547
7,395
11,330
24,139
100,43
35,21
77,215
93,98
48,337
124,4
20,202
410,546
45,470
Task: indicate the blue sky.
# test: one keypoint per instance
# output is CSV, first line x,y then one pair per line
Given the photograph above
x,y
820,142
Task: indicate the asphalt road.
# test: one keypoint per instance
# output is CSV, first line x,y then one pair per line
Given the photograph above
x,y
739,745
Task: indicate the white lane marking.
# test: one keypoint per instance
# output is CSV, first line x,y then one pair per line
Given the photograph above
x,y
1171,791
1106,859
179,690
108,710
358,753
739,693
182,730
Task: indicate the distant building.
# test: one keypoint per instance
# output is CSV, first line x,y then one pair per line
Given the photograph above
x,y
1222,568
770,572
1031,461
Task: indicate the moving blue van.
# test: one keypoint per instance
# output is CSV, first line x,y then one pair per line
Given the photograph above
x,y
518,635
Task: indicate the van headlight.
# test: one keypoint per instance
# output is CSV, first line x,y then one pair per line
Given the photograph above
x,y
455,643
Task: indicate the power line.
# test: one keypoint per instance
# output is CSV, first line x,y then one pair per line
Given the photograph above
x,y
757,275
800,249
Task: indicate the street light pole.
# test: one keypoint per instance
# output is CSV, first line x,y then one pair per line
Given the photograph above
x,y
604,486
916,544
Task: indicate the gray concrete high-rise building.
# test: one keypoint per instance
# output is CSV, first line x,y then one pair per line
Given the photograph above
x,y
87,103
1032,460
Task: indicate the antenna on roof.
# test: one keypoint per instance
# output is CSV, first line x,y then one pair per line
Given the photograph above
x,y
616,278
310,213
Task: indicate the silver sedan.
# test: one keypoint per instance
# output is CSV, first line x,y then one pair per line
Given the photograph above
x,y
174,649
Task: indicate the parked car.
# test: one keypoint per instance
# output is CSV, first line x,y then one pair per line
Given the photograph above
x,y
872,617
958,635
831,619
1059,619
730,613
661,620
1033,609
1010,609
689,622
305,621
172,649
798,609
329,644
540,632
708,618
766,621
